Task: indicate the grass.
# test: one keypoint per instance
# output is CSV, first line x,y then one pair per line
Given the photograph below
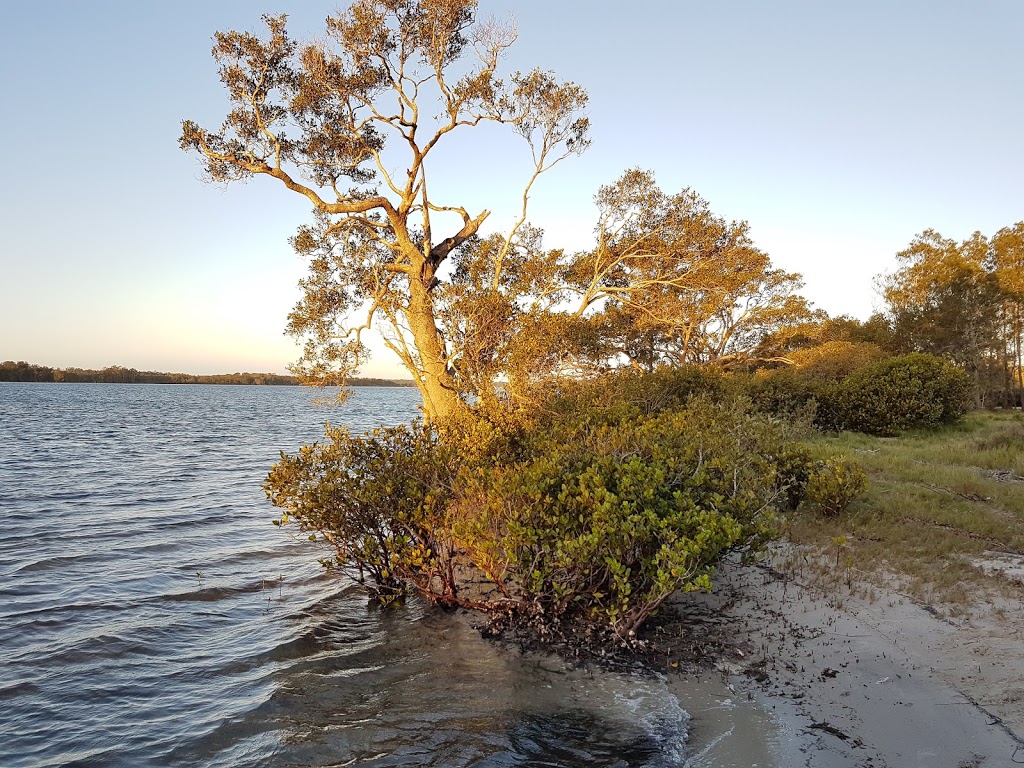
x,y
937,501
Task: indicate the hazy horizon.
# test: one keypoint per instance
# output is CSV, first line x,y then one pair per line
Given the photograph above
x,y
401,374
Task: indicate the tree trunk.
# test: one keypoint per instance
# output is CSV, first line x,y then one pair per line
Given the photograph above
x,y
1017,343
441,398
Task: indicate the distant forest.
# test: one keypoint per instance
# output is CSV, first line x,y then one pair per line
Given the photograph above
x,y
116,374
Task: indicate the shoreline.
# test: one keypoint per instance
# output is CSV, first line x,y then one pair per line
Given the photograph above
x,y
852,682
831,674
295,385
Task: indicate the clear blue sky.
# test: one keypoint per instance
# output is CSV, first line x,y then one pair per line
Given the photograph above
x,y
838,130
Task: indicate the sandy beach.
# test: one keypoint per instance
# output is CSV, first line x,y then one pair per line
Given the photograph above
x,y
852,681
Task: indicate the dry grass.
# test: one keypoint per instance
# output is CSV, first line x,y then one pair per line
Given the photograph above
x,y
937,500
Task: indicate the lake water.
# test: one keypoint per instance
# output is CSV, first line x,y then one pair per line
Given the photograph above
x,y
150,614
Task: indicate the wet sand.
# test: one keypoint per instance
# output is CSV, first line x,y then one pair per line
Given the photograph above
x,y
776,673
847,682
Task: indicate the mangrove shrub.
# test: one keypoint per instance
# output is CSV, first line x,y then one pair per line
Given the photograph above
x,y
593,516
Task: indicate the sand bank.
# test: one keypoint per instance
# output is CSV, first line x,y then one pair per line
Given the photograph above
x,y
852,682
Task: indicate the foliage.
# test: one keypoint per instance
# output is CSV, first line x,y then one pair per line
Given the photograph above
x,y
379,500
604,522
834,484
794,394
839,390
901,393
1007,263
962,301
674,283
22,371
808,387
351,122
627,393
834,360
785,344
943,300
667,284
593,506
117,374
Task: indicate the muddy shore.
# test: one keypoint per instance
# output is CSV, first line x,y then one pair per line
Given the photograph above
x,y
848,681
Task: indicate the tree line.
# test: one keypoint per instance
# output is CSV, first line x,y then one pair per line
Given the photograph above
x,y
116,374
964,301
960,301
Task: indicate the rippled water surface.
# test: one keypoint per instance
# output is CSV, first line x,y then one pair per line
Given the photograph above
x,y
150,614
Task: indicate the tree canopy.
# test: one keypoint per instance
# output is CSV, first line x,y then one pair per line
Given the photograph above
x,y
962,300
680,284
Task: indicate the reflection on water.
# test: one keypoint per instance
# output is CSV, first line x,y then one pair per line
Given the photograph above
x,y
152,615
427,690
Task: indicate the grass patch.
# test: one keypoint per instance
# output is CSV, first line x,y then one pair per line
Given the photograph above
x,y
937,500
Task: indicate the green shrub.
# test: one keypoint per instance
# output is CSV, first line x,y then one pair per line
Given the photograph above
x,y
379,500
781,392
593,514
833,484
605,526
809,388
834,360
883,398
901,393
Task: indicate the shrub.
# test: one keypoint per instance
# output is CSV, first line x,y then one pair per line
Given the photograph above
x,y
782,392
594,514
833,484
810,387
605,526
901,393
880,398
627,393
379,500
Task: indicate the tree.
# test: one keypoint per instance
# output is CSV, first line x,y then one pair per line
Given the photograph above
x,y
22,371
1007,258
322,119
796,343
666,283
676,284
945,300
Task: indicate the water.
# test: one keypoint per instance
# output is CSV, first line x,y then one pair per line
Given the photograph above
x,y
150,614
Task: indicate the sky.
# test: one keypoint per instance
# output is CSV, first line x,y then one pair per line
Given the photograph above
x,y
837,130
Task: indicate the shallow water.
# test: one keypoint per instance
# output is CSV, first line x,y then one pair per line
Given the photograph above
x,y
150,614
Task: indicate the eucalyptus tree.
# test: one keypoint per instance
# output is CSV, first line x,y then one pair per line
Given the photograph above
x,y
945,300
676,284
389,84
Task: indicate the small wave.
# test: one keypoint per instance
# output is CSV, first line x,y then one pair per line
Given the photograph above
x,y
647,704
102,648
263,557
59,561
206,594
19,688
317,641
214,592
56,616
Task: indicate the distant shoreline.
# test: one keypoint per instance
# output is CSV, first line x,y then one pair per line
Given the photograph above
x,y
383,384
22,372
